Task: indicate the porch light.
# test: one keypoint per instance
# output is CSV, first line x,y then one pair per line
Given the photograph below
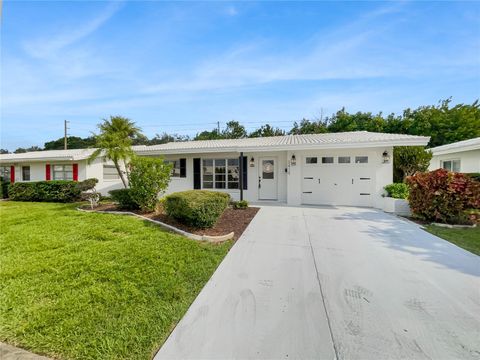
x,y
293,160
252,162
386,157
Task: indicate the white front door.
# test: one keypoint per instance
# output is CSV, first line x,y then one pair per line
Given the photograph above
x,y
267,179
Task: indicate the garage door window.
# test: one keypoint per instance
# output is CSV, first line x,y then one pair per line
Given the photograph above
x,y
327,160
344,159
361,159
311,160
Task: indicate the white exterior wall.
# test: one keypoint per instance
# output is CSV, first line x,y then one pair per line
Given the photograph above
x,y
469,160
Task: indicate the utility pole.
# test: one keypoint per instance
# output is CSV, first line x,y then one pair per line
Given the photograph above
x,y
65,122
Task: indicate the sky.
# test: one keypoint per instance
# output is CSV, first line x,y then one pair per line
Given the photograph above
x,y
181,67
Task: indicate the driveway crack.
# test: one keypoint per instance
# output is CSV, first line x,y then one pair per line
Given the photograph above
x,y
321,289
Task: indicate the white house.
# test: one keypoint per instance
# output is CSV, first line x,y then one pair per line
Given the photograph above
x,y
349,168
462,156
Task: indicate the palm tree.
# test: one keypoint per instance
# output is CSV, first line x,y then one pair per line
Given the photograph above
x,y
115,142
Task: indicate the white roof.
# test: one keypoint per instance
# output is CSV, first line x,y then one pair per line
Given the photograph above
x,y
465,145
289,142
354,139
51,155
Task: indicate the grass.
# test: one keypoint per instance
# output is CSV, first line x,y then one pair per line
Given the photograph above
x,y
468,239
94,286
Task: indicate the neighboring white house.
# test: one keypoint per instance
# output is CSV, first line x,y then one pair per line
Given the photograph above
x,y
462,156
349,168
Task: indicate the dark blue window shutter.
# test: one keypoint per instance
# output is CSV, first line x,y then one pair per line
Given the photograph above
x,y
183,168
244,172
197,173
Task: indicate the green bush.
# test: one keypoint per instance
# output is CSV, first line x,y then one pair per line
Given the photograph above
x,y
397,190
241,204
123,197
443,196
148,179
45,191
199,208
474,176
4,185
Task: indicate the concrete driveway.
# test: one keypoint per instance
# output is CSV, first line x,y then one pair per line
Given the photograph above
x,y
326,283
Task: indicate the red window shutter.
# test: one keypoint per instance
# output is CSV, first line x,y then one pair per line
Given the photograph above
x,y
75,172
12,174
47,172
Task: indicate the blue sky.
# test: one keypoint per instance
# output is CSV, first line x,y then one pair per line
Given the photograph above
x,y
182,66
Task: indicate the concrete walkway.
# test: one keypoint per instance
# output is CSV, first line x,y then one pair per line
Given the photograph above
x,y
329,283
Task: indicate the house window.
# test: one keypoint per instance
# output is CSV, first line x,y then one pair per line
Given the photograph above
x,y
62,172
5,173
311,160
451,165
220,173
175,167
344,159
361,159
26,173
327,160
110,172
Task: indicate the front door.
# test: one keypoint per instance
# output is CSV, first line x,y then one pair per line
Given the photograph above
x,y
267,179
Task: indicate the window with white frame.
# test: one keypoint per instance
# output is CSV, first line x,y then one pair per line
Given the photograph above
x,y
175,167
25,173
344,159
451,165
110,172
5,173
311,160
220,173
361,159
62,172
327,160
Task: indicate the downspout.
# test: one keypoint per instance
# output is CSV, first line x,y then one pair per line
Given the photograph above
x,y
240,184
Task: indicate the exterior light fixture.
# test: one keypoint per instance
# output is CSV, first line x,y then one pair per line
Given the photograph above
x,y
252,162
293,160
386,157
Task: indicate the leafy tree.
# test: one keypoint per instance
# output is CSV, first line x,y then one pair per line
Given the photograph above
x,y
140,139
208,135
73,142
360,121
266,130
148,178
306,126
166,138
408,160
4,151
115,142
24,150
234,130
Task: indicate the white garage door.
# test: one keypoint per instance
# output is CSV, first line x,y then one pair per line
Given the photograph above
x,y
337,180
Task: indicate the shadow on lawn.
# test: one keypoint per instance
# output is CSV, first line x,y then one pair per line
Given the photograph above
x,y
401,235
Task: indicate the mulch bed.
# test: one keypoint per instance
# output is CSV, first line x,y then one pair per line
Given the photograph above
x,y
231,220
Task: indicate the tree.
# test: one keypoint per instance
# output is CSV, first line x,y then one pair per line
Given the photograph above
x,y
4,151
73,142
166,138
115,142
360,121
24,150
408,160
148,178
234,130
266,130
208,135
306,126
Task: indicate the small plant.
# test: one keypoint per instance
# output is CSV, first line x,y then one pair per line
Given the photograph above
x,y
148,179
241,204
397,190
123,198
89,192
199,208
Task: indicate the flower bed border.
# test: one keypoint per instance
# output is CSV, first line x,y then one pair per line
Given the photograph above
x,y
209,238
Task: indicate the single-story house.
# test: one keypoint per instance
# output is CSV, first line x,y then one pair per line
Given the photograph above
x,y
349,168
461,156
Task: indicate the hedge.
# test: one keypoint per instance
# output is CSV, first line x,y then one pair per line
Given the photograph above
x,y
49,191
4,185
198,208
123,197
397,190
443,196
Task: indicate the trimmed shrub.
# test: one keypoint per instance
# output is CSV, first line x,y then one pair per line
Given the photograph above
x,y
123,197
148,179
198,208
397,190
443,196
88,184
4,185
45,191
241,204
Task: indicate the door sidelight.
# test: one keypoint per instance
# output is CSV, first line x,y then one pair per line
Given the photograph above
x,y
259,182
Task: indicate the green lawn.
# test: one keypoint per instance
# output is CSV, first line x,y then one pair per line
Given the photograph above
x,y
79,285
469,239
